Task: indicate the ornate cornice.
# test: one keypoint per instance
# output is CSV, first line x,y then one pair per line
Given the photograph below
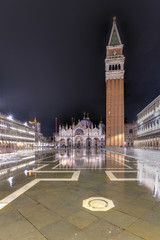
x,y
115,58
114,75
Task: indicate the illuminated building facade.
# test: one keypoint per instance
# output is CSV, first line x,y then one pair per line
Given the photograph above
x,y
82,134
39,138
15,134
130,134
148,125
114,76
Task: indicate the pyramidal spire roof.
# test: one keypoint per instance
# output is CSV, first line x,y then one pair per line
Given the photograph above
x,y
114,37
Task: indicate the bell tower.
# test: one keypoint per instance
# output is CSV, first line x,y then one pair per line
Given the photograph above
x,y
114,77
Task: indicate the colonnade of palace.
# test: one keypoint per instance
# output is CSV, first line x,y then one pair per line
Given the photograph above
x,y
153,142
149,127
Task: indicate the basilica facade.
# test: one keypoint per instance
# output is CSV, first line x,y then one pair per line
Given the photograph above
x,y
82,134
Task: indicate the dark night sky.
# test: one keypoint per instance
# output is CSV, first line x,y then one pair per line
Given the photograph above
x,y
52,57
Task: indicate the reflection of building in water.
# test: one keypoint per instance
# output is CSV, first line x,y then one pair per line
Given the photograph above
x,y
148,125
81,158
114,161
82,134
149,175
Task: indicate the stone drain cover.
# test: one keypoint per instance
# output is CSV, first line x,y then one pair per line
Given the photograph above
x,y
98,204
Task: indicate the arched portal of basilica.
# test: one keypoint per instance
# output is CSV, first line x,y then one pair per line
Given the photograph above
x,y
82,134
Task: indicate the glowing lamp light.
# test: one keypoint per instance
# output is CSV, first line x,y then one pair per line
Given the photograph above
x,y
25,124
10,117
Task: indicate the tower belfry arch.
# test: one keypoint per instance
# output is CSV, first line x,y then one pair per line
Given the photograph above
x,y
114,76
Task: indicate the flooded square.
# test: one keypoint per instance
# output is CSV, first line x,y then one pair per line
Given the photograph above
x,y
44,195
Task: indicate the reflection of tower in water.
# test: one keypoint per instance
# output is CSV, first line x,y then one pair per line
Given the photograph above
x,y
115,161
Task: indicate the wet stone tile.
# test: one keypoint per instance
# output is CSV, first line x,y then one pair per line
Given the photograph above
x,y
156,207
143,203
66,210
119,219
131,210
127,236
59,231
152,217
79,236
145,230
10,217
41,217
82,219
35,235
16,230
102,230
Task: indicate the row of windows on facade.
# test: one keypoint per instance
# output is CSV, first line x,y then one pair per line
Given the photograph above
x,y
149,127
8,127
4,124
10,133
149,112
114,67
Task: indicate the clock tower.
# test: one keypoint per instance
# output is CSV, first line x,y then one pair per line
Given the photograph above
x,y
114,76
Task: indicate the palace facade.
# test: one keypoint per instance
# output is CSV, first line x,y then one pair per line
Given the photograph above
x,y
148,126
130,134
15,134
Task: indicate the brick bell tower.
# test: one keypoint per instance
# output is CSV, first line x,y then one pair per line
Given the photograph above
x,y
114,76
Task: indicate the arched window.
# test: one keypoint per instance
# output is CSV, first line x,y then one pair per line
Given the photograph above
x,y
130,131
79,132
112,67
115,67
119,66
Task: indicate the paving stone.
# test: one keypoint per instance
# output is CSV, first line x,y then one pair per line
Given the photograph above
x,y
16,230
119,219
66,210
102,230
152,217
42,217
145,230
147,204
35,235
129,209
127,236
10,217
79,236
81,219
59,230
156,207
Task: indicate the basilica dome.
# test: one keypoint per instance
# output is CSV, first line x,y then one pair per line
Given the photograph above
x,y
86,122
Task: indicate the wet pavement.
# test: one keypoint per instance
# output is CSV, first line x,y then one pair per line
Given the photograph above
x,y
42,194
